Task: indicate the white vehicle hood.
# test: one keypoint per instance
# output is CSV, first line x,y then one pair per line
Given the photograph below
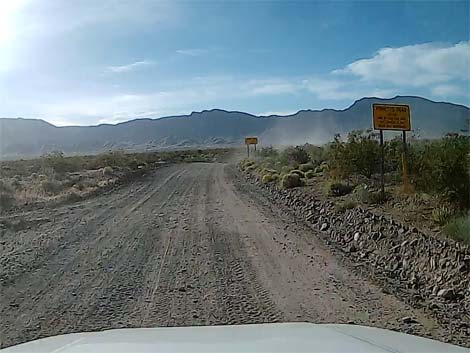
x,y
289,337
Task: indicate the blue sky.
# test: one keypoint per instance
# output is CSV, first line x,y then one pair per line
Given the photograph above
x,y
89,62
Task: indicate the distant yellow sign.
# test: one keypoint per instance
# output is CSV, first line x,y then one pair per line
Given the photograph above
x,y
391,117
251,140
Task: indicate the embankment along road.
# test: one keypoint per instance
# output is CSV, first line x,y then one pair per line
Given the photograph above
x,y
180,247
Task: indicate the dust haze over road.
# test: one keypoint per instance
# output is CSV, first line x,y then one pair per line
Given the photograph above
x,y
186,245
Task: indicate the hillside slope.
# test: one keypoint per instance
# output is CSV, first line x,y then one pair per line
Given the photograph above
x,y
32,137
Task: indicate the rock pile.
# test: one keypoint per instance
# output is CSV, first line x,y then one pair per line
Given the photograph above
x,y
426,270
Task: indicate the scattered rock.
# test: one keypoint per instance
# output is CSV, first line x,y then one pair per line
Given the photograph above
x,y
446,293
357,236
408,320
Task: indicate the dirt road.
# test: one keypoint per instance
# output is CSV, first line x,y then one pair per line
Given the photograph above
x,y
180,247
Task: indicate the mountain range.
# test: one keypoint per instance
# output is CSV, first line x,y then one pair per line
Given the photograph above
x,y
21,138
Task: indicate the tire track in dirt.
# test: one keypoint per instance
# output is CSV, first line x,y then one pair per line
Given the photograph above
x,y
182,247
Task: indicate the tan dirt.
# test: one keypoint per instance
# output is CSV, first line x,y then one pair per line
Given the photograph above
x,y
182,247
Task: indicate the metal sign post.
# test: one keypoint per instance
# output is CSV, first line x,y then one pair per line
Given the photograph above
x,y
404,161
382,167
250,141
392,117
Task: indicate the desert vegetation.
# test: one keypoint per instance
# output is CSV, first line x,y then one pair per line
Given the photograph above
x,y
55,178
347,170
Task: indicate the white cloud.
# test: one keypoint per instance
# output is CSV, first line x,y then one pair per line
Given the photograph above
x,y
192,52
414,65
130,67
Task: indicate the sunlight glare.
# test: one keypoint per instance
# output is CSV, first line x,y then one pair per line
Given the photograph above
x,y
8,12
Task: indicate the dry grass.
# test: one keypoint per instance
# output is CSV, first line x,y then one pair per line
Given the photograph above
x,y
55,178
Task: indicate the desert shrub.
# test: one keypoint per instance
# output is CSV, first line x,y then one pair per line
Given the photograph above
x,y
267,178
286,169
51,187
298,172
360,154
321,168
6,200
61,164
244,164
338,189
295,155
268,152
442,214
459,228
443,167
7,197
310,174
291,181
363,195
377,198
317,154
6,187
306,167
133,164
16,184
73,196
250,168
345,205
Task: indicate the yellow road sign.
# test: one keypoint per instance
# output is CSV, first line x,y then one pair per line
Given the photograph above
x,y
391,117
251,140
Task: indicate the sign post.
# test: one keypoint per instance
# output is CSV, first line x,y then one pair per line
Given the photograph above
x,y
382,167
250,141
392,117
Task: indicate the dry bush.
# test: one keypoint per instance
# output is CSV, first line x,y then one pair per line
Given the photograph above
x,y
51,186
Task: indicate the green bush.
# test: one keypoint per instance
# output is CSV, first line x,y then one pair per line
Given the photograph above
x,y
61,164
306,167
459,228
339,189
298,172
108,171
310,174
291,181
267,178
316,154
443,167
345,205
295,155
377,198
286,169
360,154
267,152
366,196
441,214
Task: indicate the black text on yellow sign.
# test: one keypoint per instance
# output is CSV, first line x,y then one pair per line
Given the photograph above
x,y
391,117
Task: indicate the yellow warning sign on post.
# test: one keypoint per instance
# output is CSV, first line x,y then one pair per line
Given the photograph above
x,y
251,140
391,117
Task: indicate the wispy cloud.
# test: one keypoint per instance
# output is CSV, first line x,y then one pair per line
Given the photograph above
x,y
193,51
414,65
130,67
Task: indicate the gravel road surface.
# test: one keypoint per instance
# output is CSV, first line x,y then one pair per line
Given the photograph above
x,y
183,246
